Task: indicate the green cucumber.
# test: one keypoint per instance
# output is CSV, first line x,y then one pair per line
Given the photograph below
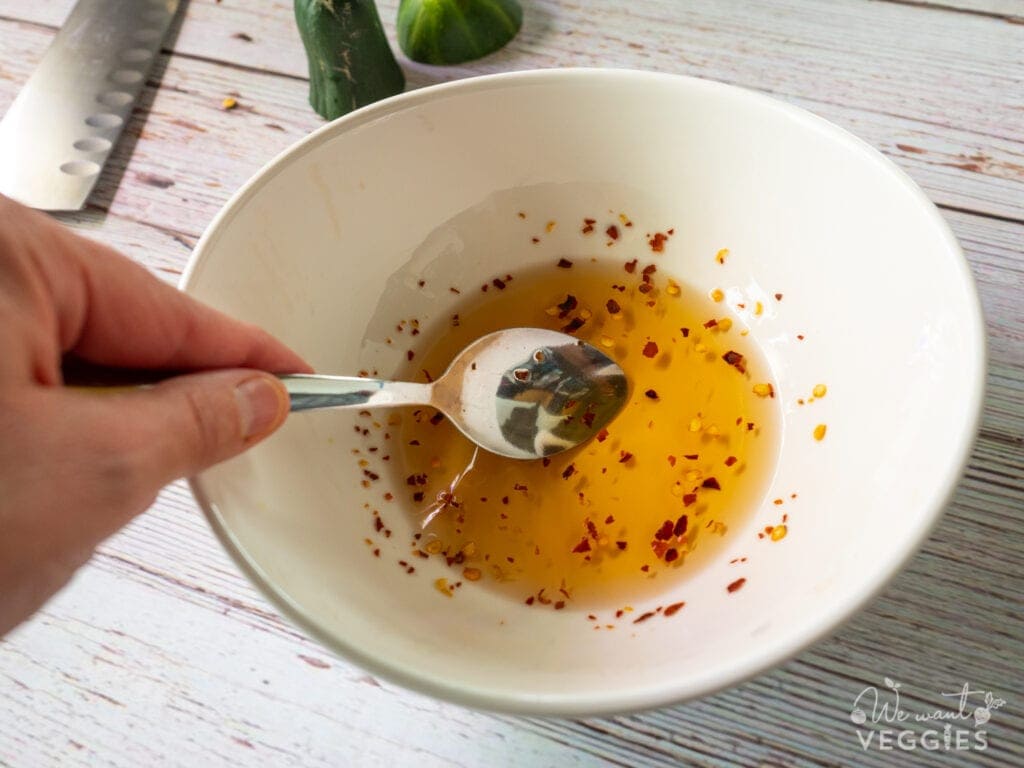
x,y
350,61
453,31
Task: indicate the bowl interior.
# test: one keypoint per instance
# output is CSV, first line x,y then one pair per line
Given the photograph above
x,y
325,247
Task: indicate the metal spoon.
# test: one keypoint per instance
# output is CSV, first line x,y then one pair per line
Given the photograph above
x,y
522,393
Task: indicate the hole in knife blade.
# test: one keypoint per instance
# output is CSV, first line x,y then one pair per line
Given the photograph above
x,y
136,55
80,168
93,144
103,120
126,76
114,98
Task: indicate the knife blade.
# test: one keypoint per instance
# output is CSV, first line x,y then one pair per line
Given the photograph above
x,y
63,124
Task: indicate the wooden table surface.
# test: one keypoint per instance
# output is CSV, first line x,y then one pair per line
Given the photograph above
x,y
161,653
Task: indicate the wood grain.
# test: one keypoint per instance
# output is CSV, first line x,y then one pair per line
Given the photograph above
x,y
880,69
161,653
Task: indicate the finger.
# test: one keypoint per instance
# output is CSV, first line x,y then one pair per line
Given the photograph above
x,y
81,465
111,311
190,423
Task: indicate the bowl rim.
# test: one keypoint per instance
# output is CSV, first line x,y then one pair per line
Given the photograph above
x,y
762,657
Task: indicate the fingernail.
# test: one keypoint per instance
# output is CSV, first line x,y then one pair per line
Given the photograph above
x,y
259,405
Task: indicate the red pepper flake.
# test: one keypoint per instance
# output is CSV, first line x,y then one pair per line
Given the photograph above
x,y
621,545
378,524
521,214
645,568
730,460
665,532
546,461
613,307
736,585
560,605
421,283
671,554
649,270
691,456
602,435
711,323
778,297
592,529
427,376
609,520
573,325
535,240
453,289
414,442
583,546
735,359
564,263
800,337
645,288
711,483
680,526
410,355
750,426
519,487
631,266
376,553
588,226
567,306
671,460
650,349
644,617
568,472
529,600
657,241
652,394
437,418
624,456
612,232
504,499
672,610
498,283
588,416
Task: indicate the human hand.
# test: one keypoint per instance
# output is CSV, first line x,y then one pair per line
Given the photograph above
x,y
75,466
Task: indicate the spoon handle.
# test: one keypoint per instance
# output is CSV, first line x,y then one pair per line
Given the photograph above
x,y
309,391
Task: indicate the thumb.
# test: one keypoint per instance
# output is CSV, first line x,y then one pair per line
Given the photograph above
x,y
189,423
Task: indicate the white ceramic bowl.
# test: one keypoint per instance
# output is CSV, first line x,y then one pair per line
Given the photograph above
x,y
323,246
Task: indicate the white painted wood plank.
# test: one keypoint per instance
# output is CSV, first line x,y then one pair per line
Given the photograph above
x,y
150,679
946,83
1007,8
187,153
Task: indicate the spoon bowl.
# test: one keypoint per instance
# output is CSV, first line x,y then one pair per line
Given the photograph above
x,y
524,393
